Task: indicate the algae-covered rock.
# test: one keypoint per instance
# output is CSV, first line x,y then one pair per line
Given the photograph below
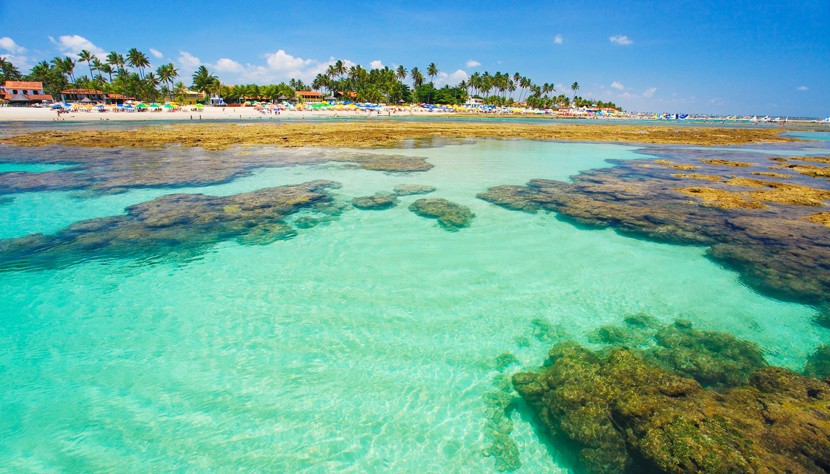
x,y
712,358
378,201
822,317
450,215
505,360
170,226
625,414
410,189
818,364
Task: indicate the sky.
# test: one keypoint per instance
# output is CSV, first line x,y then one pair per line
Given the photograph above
x,y
758,57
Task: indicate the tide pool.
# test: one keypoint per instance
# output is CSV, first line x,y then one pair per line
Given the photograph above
x,y
363,344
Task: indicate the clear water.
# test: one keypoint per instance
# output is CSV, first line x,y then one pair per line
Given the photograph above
x,y
362,345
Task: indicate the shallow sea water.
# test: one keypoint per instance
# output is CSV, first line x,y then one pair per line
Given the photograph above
x,y
365,344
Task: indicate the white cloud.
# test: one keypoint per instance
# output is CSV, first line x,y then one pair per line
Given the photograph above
x,y
473,63
649,92
452,79
617,85
71,45
284,62
188,61
10,46
14,54
558,39
803,88
228,65
376,64
156,53
621,40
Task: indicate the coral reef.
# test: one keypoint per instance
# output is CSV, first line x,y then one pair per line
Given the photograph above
x,y
410,189
376,202
450,215
377,133
768,234
625,414
177,225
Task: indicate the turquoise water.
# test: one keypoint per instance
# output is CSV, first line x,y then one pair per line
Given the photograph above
x,y
365,344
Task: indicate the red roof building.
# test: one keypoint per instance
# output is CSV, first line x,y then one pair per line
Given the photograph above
x,y
24,92
310,96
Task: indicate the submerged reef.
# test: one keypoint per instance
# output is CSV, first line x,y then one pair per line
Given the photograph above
x,y
818,364
769,231
378,201
410,189
450,215
624,413
177,225
115,170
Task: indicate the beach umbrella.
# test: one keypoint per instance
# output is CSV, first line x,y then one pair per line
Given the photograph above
x,y
199,106
141,106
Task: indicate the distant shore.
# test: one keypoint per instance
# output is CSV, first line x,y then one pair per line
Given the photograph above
x,y
191,114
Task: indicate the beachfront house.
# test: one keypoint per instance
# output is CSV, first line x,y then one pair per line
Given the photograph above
x,y
83,95
24,93
189,97
310,97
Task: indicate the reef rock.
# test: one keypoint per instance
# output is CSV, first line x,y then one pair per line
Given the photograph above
x,y
378,201
768,231
410,189
624,414
181,225
450,215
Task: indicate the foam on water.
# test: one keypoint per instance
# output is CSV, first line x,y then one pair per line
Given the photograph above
x,y
365,344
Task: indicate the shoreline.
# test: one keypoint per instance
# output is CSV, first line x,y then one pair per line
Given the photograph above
x,y
209,114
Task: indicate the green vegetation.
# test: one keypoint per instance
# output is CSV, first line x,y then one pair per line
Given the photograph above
x,y
131,75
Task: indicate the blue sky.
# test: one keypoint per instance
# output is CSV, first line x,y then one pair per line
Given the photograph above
x,y
734,57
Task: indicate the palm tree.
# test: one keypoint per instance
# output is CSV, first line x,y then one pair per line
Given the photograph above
x,y
10,72
432,71
417,77
400,73
136,58
88,57
574,88
180,90
204,81
167,72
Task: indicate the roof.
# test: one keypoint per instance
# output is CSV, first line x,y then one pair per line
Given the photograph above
x,y
118,96
24,85
82,91
310,93
23,97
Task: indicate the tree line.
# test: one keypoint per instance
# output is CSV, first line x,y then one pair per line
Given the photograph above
x,y
131,74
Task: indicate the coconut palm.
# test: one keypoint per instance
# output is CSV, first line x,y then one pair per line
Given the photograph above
x,y
574,88
86,56
432,71
9,71
167,72
400,73
136,58
417,77
204,81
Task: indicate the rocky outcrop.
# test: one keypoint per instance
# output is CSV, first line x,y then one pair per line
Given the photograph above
x,y
451,216
625,414
176,226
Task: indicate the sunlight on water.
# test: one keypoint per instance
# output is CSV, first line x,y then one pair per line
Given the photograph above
x,y
364,344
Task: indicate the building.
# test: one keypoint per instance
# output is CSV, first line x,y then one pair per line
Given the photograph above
x,y
310,96
83,95
189,97
23,93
